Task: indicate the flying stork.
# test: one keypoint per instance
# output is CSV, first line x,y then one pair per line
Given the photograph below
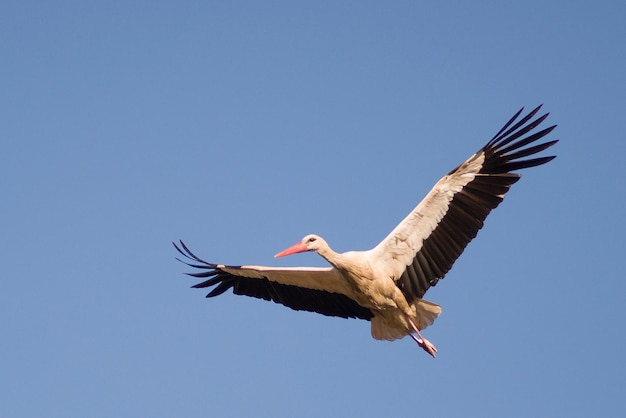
x,y
385,285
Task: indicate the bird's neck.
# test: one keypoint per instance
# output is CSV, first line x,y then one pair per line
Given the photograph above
x,y
331,256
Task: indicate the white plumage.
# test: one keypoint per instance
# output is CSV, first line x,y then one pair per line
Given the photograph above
x,y
385,285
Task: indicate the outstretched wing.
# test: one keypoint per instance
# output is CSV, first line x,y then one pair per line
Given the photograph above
x,y
312,289
425,245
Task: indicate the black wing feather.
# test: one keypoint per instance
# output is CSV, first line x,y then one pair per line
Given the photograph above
x,y
294,297
470,206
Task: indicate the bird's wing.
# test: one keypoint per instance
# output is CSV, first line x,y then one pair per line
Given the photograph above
x,y
320,290
425,245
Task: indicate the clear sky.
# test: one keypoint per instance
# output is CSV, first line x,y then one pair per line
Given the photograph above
x,y
242,126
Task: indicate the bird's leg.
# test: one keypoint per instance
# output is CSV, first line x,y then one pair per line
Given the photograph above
x,y
421,341
425,344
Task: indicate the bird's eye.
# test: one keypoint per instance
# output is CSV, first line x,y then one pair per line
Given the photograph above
x,y
312,239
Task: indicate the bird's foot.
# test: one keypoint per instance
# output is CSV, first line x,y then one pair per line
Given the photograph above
x,y
428,347
425,344
421,341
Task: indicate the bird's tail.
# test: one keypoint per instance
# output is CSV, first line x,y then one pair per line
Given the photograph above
x,y
424,314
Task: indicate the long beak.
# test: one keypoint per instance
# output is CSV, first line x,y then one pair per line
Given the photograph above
x,y
296,248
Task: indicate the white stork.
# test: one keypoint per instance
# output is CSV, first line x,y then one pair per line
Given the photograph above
x,y
385,285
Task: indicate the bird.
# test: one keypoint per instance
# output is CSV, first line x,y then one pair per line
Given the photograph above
x,y
386,284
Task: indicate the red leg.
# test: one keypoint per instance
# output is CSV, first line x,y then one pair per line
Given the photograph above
x,y
421,341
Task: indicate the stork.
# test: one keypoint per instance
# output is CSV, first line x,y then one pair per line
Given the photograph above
x,y
386,284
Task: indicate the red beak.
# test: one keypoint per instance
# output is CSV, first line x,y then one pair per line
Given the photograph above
x,y
296,248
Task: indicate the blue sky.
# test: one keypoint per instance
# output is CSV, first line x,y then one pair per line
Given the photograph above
x,y
242,126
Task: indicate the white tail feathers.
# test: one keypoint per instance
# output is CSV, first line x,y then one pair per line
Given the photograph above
x,y
381,331
424,314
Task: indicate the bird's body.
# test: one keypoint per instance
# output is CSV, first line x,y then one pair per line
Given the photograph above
x,y
385,285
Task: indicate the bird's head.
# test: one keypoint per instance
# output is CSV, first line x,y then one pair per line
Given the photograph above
x,y
309,243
